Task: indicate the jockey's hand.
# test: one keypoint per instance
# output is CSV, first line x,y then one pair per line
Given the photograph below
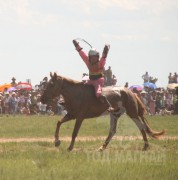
x,y
75,43
106,50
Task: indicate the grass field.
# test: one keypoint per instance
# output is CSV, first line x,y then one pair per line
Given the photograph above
x,y
121,160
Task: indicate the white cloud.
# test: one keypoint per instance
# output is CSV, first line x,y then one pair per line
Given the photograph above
x,y
18,11
171,38
155,7
165,39
129,5
151,5
127,37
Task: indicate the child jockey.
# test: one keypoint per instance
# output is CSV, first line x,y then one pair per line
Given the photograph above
x,y
96,69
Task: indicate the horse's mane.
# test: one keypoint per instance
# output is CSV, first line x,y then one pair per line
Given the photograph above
x,y
72,81
68,79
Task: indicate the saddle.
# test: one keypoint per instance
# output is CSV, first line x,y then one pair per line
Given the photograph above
x,y
112,93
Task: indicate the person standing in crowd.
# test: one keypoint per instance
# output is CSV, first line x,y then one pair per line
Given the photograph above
x,y
146,77
113,80
144,99
13,83
1,104
44,82
6,103
61,106
49,111
152,100
38,103
158,102
170,78
175,76
176,102
43,108
169,100
108,75
33,105
126,85
13,103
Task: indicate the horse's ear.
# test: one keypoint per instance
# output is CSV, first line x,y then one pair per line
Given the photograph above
x,y
55,75
51,75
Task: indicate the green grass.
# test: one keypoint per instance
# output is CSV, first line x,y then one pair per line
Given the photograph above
x,y
42,161
44,126
121,160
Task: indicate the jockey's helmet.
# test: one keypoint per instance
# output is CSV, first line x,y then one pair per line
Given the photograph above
x,y
93,52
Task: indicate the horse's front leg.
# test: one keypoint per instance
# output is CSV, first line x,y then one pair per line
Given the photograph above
x,y
75,132
66,118
113,124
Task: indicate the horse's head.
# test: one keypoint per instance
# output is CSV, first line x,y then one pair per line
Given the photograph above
x,y
52,89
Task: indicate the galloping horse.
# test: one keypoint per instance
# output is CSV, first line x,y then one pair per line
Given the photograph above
x,y
81,103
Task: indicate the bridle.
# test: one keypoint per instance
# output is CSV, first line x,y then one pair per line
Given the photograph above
x,y
62,79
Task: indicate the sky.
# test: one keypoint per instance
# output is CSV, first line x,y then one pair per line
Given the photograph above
x,y
36,38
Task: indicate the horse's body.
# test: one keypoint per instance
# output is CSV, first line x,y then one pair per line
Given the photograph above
x,y
81,103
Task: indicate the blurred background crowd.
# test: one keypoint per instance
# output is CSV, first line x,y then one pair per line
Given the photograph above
x,y
22,98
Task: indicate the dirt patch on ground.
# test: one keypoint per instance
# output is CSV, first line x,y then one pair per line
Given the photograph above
x,y
85,138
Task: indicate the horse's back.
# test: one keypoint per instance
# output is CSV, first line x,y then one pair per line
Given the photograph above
x,y
111,92
111,89
114,92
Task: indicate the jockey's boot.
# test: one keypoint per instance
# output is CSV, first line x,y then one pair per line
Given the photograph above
x,y
104,100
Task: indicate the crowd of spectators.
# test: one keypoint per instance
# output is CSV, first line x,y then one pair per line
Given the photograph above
x,y
28,102
160,101
157,101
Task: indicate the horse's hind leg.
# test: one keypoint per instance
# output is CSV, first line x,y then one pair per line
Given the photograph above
x,y
114,116
142,130
66,118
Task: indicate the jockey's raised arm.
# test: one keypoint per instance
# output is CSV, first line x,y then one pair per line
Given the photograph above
x,y
92,52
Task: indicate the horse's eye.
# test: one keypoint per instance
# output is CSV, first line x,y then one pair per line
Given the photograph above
x,y
51,84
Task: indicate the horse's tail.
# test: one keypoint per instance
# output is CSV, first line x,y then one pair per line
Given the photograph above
x,y
149,131
141,107
141,112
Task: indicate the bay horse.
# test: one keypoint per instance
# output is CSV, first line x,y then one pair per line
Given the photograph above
x,y
81,103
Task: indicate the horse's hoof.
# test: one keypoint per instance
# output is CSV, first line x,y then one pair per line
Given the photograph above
x,y
69,149
57,143
101,149
146,147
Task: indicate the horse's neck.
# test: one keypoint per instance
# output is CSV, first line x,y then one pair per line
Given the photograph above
x,y
69,90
